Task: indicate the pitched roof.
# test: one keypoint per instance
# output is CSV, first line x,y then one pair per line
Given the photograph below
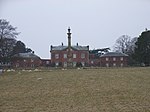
x,y
26,55
73,47
81,47
58,48
113,54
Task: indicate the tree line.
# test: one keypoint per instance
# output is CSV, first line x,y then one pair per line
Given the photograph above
x,y
9,45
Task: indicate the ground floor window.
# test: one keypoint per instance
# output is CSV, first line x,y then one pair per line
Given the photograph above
x,y
83,64
121,64
57,64
107,64
114,64
74,64
65,64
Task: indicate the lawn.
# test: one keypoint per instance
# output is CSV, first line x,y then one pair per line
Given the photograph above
x,y
76,90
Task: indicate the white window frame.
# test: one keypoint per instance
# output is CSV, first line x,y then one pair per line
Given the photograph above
x,y
65,56
74,64
32,60
65,64
56,56
83,64
114,58
107,64
121,64
107,59
114,64
57,64
121,58
74,55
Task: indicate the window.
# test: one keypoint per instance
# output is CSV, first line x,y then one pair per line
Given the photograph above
x,y
56,56
107,59
47,62
121,64
74,56
107,64
114,64
121,58
82,55
114,59
74,64
32,60
65,64
57,63
83,64
65,56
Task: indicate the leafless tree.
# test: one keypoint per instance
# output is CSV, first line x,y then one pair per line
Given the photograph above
x,y
123,44
7,39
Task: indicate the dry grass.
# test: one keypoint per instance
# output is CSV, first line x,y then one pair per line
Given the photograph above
x,y
87,90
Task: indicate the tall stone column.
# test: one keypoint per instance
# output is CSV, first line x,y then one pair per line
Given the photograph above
x,y
69,55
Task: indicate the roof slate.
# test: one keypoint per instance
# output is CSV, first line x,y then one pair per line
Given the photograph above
x,y
26,55
114,54
73,47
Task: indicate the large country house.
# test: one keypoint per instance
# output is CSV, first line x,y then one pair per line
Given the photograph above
x,y
70,55
26,60
76,55
114,59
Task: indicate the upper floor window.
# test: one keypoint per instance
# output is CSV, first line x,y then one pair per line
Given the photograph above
x,y
32,60
121,58
56,56
114,59
74,56
82,55
65,55
107,59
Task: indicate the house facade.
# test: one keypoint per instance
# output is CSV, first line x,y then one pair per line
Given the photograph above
x,y
94,60
69,56
26,60
113,59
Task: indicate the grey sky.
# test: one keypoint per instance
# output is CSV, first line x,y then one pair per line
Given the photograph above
x,y
97,23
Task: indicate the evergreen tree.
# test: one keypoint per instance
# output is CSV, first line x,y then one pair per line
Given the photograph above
x,y
142,49
19,47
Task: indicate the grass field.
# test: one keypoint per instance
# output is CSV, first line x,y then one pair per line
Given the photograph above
x,y
84,90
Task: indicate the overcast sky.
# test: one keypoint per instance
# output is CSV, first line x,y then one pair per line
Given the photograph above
x,y
97,23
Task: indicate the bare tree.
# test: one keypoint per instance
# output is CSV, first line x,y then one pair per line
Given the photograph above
x,y
123,44
7,40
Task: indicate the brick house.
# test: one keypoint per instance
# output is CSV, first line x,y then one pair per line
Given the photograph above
x,y
26,60
114,59
69,56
